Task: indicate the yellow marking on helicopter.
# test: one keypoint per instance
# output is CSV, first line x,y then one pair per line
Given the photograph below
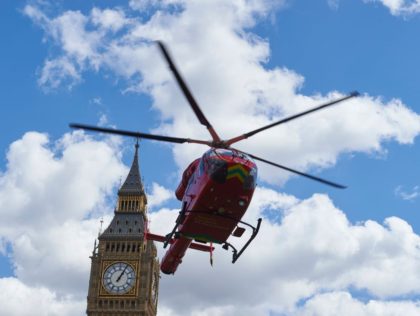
x,y
237,171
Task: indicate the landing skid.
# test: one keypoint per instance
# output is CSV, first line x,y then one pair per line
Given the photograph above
x,y
236,254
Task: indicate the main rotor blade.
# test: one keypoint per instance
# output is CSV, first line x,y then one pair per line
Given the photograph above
x,y
333,184
138,134
194,105
287,119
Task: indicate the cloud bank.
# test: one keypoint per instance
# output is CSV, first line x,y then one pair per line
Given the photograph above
x,y
307,250
311,253
400,7
225,63
51,196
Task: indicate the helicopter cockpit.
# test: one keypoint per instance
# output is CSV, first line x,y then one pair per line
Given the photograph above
x,y
219,163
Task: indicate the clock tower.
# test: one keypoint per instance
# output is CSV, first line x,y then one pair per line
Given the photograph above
x,y
124,276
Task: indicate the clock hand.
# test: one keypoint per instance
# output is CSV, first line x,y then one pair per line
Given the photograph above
x,y
119,278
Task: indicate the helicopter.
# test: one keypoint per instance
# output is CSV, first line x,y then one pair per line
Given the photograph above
x,y
216,189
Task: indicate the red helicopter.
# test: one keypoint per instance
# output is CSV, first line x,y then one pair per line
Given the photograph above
x,y
215,189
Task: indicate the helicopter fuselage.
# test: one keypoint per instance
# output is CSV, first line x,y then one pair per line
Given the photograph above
x,y
216,190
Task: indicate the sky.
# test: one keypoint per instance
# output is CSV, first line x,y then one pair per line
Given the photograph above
x,y
320,251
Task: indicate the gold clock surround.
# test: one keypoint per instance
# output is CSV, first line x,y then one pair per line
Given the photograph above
x,y
103,292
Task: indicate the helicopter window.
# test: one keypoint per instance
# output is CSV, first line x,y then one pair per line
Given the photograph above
x,y
217,169
220,152
201,167
251,180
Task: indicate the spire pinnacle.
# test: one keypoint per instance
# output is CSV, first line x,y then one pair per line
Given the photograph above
x,y
133,184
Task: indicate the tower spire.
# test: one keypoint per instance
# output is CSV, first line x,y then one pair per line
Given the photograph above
x,y
131,195
133,184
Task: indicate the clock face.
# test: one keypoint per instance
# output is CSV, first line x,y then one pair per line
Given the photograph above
x,y
119,278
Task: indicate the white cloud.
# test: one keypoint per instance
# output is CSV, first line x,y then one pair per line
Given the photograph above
x,y
313,249
58,72
224,63
306,247
18,299
103,120
341,303
142,5
159,195
52,195
113,20
96,100
333,4
409,195
400,7
57,257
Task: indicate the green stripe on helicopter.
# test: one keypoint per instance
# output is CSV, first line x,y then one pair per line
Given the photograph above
x,y
237,171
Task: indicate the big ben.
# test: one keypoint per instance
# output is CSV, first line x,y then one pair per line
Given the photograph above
x,y
124,277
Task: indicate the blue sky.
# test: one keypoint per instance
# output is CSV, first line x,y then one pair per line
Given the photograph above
x,y
293,54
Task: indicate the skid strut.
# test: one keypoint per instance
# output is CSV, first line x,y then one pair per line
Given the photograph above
x,y
178,221
227,245
236,254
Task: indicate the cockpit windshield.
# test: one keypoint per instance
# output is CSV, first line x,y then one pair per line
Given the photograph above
x,y
250,181
214,165
223,164
227,154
